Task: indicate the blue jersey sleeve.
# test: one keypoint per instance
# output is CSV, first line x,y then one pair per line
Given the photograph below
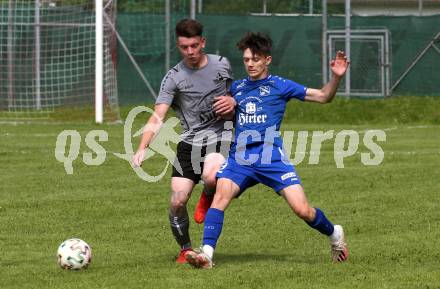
x,y
236,86
232,89
292,89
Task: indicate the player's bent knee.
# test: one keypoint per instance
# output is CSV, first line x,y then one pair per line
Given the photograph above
x,y
178,200
215,159
221,200
303,212
176,205
210,180
212,163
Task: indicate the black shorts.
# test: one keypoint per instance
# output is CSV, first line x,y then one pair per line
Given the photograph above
x,y
193,169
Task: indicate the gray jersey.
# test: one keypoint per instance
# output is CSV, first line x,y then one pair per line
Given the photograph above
x,y
191,92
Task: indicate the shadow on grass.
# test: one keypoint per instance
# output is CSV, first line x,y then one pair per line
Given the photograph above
x,y
266,257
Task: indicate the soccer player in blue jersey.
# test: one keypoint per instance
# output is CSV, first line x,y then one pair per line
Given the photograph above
x,y
257,155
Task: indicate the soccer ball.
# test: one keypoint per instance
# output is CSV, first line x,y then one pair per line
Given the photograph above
x,y
74,254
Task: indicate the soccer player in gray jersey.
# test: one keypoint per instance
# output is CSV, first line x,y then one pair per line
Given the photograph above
x,y
196,90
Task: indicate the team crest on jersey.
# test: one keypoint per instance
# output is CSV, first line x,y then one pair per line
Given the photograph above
x,y
219,78
251,108
264,90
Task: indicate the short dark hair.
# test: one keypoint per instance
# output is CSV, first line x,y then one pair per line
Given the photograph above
x,y
258,43
189,28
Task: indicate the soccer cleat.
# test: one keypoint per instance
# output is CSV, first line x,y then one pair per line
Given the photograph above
x,y
339,247
202,207
181,258
199,260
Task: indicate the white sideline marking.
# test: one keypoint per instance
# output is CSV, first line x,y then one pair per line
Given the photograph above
x,y
30,134
403,127
421,126
30,122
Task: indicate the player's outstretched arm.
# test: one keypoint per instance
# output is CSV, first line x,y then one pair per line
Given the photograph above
x,y
151,128
326,94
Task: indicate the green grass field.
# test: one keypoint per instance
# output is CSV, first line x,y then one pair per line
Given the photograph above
x,y
390,213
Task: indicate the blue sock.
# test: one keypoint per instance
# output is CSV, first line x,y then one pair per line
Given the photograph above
x,y
321,223
213,227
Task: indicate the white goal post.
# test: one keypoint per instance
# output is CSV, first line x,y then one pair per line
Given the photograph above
x,y
99,67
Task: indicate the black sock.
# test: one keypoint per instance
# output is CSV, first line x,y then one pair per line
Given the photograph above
x,y
179,222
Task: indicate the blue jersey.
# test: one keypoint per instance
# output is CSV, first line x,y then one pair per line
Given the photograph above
x,y
260,109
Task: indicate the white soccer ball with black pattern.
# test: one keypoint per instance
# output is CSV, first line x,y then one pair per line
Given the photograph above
x,y
74,254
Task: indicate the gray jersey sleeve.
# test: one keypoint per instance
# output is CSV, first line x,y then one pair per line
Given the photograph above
x,y
229,69
168,89
229,76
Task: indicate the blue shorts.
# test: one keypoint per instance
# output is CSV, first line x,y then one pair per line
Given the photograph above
x,y
278,174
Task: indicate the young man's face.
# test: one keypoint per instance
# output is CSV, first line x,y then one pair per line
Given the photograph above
x,y
257,66
191,49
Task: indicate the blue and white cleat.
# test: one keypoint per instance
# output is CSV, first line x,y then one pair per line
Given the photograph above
x,y
199,260
339,248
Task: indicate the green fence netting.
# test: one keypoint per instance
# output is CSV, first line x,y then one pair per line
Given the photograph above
x,y
297,52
